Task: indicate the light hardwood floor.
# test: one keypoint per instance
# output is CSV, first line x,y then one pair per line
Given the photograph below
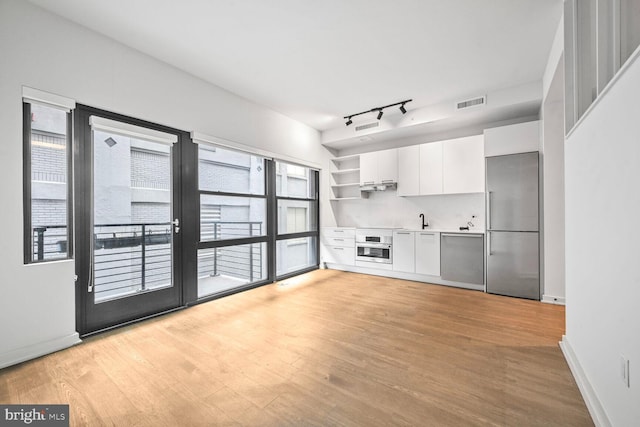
x,y
325,348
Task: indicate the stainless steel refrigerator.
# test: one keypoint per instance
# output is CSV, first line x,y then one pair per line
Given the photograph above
x,y
513,260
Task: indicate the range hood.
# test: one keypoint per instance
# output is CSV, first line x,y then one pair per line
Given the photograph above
x,y
378,187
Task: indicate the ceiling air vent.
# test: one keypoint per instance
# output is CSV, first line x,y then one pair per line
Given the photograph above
x,y
367,126
468,103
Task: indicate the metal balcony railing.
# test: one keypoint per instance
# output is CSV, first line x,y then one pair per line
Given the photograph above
x,y
131,258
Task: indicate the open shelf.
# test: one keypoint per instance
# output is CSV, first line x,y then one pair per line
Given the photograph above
x,y
345,171
349,184
346,158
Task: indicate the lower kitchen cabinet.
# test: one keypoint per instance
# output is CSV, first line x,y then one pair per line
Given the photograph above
x,y
427,253
340,255
338,245
404,251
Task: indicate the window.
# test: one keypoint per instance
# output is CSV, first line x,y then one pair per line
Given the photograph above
x,y
297,218
600,36
629,28
47,183
258,219
232,251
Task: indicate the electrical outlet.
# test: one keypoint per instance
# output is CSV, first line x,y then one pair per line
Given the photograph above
x,y
624,371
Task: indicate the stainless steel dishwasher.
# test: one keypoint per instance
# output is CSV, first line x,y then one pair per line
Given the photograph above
x,y
462,257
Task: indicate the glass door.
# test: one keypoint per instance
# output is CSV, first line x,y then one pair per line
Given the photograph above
x,y
131,231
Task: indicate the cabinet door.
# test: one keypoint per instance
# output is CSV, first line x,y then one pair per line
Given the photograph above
x,y
388,166
404,251
409,171
431,168
368,168
340,255
463,165
427,254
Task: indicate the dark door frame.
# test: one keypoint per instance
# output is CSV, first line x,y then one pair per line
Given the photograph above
x,y
137,307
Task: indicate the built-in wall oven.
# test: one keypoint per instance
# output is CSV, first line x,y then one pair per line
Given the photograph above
x,y
374,245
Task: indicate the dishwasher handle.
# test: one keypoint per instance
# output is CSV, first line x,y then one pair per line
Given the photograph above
x,y
475,236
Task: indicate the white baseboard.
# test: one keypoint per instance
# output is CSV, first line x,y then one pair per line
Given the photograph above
x,y
596,410
550,299
13,357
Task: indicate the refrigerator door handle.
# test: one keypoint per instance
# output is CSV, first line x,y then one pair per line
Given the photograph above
x,y
489,242
489,209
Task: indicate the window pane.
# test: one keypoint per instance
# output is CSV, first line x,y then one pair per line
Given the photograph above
x,y
629,28
49,172
294,181
296,254
132,236
230,171
229,267
296,216
231,217
586,55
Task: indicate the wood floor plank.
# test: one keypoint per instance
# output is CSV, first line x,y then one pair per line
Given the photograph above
x,y
325,348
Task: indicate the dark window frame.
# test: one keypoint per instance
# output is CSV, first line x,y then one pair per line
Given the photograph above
x,y
29,256
314,176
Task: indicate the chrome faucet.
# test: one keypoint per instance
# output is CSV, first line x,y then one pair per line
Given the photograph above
x,y
424,225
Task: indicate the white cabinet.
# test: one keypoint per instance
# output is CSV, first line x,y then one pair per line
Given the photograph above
x,y
338,245
427,253
388,166
379,167
340,255
463,165
409,171
431,168
404,251
368,168
512,139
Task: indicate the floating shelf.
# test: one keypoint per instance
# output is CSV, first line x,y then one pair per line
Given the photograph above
x,y
350,184
345,158
345,171
335,199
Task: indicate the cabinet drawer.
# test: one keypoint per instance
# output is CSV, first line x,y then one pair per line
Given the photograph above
x,y
339,232
347,242
340,255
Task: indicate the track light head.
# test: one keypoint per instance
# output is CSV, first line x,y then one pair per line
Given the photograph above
x,y
349,121
402,109
380,114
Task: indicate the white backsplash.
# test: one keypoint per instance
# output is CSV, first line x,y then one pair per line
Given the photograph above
x,y
386,209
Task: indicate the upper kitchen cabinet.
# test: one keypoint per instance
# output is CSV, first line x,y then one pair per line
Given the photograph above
x,y
463,165
431,173
420,170
512,139
379,167
409,171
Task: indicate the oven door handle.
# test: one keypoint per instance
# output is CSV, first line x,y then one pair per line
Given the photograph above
x,y
374,245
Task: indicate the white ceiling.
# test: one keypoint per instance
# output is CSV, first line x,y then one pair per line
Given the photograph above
x,y
318,60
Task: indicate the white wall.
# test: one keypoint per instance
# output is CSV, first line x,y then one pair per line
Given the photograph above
x,y
386,209
552,141
47,52
602,173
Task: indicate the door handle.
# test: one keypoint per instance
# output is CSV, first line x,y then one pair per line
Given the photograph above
x,y
489,209
489,243
176,225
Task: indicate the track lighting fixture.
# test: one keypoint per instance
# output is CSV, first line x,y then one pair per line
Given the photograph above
x,y
403,110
